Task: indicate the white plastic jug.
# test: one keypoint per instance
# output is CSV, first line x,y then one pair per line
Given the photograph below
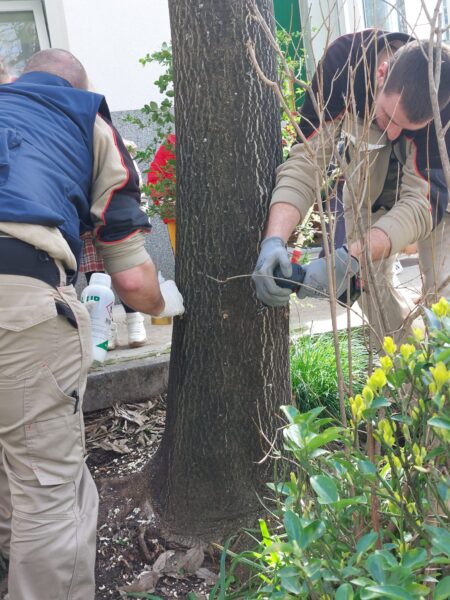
x,y
100,298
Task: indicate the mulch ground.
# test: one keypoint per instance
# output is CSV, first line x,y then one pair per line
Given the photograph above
x,y
133,560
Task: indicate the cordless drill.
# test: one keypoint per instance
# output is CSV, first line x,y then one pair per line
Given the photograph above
x,y
298,275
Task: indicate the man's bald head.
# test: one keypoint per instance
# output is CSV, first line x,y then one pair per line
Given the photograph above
x,y
61,63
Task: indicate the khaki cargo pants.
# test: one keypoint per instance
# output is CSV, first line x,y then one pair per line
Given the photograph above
x,y
48,500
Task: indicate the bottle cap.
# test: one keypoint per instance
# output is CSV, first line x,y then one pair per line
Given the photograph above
x,y
100,279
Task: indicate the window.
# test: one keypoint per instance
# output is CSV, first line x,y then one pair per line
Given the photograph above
x,y
22,32
383,14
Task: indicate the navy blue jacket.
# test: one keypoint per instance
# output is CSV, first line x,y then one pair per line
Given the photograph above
x,y
46,158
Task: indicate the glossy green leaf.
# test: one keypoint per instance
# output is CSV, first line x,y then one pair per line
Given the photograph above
x,y
325,487
293,526
377,566
265,533
443,356
440,538
414,558
367,467
389,591
291,584
366,542
362,581
311,533
417,589
344,503
441,422
329,435
380,402
291,412
444,490
344,592
442,590
402,419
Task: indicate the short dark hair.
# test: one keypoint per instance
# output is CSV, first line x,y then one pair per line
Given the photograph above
x,y
61,63
408,76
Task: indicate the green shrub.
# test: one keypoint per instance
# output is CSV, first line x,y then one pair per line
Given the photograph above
x,y
313,369
357,523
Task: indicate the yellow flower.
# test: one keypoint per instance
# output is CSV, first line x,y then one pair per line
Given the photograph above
x,y
418,334
367,395
357,406
411,508
406,350
389,346
441,308
419,454
403,547
386,432
386,363
377,380
396,462
415,413
405,431
440,376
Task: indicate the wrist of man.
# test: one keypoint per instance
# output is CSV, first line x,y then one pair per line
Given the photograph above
x,y
379,245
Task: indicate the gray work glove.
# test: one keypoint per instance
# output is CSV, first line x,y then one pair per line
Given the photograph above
x,y
315,283
273,252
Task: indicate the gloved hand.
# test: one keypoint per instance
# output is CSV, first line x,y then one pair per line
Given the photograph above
x,y
273,252
315,283
172,298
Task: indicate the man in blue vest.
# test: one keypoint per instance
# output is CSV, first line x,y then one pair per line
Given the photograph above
x,y
63,170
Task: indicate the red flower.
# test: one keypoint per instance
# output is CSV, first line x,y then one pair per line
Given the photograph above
x,y
159,169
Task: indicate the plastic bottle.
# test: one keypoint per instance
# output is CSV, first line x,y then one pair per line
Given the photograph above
x,y
99,297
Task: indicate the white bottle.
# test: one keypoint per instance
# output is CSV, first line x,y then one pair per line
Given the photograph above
x,y
99,297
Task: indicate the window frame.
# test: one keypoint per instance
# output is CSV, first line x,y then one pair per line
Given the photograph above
x,y
34,6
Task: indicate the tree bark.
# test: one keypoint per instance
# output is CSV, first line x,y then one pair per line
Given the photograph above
x,y
229,369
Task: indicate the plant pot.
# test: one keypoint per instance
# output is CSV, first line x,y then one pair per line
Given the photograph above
x,y
172,230
161,320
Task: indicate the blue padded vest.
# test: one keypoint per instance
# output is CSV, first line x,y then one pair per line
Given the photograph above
x,y
46,153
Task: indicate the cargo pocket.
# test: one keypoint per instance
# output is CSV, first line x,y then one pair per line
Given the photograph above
x,y
24,306
53,430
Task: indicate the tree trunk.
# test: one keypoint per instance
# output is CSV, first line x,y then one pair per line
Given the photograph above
x,y
229,369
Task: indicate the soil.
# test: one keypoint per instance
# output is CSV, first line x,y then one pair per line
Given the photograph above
x,y
130,549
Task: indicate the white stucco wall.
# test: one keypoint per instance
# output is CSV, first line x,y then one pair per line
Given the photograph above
x,y
109,37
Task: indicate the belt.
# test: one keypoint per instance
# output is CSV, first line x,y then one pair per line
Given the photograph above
x,y
20,258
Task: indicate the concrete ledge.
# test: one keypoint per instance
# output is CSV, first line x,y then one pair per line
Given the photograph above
x,y
127,381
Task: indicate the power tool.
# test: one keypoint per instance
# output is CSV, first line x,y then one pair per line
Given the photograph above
x,y
298,275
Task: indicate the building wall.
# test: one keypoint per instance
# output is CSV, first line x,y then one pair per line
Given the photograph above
x,y
109,37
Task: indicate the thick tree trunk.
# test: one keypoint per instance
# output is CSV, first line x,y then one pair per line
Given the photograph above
x,y
229,368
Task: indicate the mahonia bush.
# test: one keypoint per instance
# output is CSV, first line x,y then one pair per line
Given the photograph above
x,y
363,511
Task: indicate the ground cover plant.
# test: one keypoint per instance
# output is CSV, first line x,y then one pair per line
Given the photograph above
x,y
313,369
363,511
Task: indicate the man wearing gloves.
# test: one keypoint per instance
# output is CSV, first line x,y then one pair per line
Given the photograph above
x,y
63,170
371,88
